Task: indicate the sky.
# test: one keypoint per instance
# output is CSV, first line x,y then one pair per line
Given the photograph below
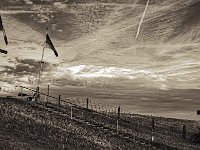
x,y
97,46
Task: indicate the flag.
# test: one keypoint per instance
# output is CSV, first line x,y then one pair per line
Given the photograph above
x,y
50,45
5,37
3,30
1,24
3,51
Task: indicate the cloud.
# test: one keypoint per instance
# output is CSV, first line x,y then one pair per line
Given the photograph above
x,y
60,5
28,2
92,71
25,71
24,67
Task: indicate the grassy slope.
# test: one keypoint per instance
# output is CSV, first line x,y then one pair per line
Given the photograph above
x,y
12,141
41,125
50,128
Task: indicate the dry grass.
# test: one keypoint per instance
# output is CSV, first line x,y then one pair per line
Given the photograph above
x,y
51,126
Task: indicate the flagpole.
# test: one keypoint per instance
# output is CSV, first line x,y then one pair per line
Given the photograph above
x,y
41,65
5,37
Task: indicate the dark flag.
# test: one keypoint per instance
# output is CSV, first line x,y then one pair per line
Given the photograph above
x,y
3,30
1,24
5,37
50,44
3,51
198,112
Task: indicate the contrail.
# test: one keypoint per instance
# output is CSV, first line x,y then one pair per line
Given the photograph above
x,y
138,31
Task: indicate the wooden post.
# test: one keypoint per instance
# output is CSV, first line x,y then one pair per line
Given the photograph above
x,y
117,126
119,112
152,140
118,116
184,131
21,91
71,112
45,99
37,94
98,106
87,103
64,143
105,108
90,104
47,95
95,107
153,124
59,99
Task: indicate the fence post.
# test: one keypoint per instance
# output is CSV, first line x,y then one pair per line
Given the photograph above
x,y
184,131
152,140
59,99
90,104
99,108
118,119
105,108
21,91
87,102
95,106
71,112
153,123
37,94
64,143
45,99
117,126
47,94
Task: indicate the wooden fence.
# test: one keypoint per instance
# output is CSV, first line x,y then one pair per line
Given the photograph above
x,y
135,125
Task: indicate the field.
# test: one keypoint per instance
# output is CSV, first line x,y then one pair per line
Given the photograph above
x,y
100,58
30,125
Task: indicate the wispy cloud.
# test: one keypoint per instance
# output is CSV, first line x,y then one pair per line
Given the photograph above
x,y
25,67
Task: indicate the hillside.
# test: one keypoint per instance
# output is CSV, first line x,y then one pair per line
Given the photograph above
x,y
51,127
